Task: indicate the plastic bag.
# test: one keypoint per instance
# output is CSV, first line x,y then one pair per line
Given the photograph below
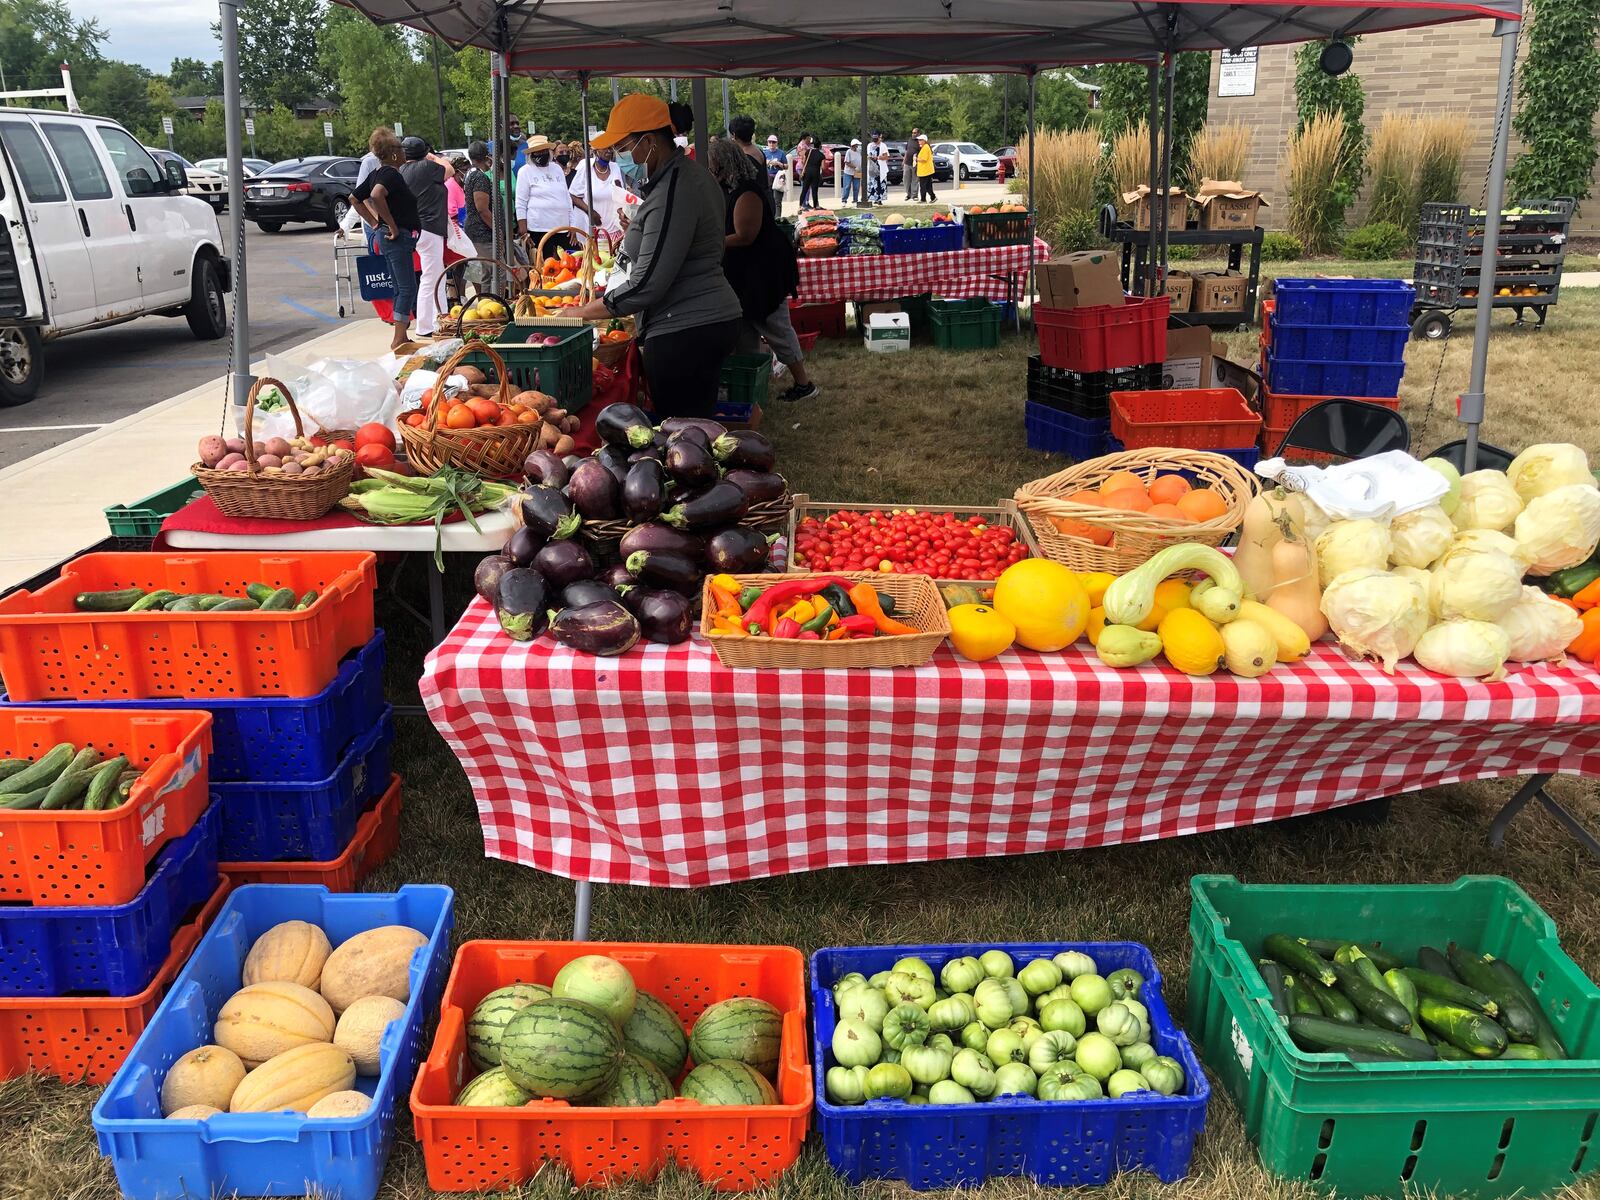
x,y
330,394
1382,486
365,392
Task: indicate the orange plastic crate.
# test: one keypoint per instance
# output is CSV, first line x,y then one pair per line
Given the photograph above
x,y
1187,418
1280,411
735,1148
51,651
83,1039
1272,443
376,838
75,858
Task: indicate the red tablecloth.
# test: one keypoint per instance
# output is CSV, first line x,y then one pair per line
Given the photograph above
x,y
663,768
951,273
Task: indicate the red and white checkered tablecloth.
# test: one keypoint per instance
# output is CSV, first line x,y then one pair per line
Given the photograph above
x,y
989,272
664,768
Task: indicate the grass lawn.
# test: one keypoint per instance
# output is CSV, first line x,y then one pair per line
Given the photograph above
x,y
930,427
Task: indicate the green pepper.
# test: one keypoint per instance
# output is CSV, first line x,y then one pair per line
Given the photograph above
x,y
819,623
885,602
1572,580
748,597
838,600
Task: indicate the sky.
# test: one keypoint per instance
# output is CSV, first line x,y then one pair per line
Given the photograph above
x,y
154,32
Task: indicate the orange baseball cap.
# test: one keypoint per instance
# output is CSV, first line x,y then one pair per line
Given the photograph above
x,y
636,112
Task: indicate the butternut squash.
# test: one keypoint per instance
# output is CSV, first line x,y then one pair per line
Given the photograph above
x,y
1272,517
1295,592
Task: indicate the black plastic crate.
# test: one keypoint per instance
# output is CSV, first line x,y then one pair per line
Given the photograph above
x,y
1086,395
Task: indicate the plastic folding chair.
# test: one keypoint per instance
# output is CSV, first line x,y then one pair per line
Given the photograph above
x,y
1490,458
1347,429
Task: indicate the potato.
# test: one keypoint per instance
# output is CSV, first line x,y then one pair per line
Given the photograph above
x,y
555,414
213,450
268,460
311,470
225,463
564,446
471,374
548,436
292,468
241,465
276,446
235,445
569,425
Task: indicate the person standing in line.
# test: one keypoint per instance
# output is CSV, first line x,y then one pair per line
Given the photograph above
x,y
563,159
425,174
387,205
599,175
810,171
877,171
742,130
853,191
369,164
479,225
543,202
908,163
777,163
924,169
456,204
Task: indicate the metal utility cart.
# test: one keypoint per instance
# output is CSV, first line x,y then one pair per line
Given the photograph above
x,y
1136,252
1529,250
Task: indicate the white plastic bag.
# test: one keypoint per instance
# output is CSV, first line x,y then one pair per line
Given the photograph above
x,y
364,392
314,395
1382,486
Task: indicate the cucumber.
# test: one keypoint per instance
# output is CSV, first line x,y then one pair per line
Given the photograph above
x,y
22,800
1402,990
1297,956
1513,1015
1450,990
1301,1002
1328,947
236,604
124,792
42,773
215,600
1272,975
67,790
116,600
1335,1004
153,600
1319,1034
1478,1035
1547,1041
1521,1051
103,787
13,766
259,591
1433,962
307,600
1376,1005
189,603
281,600
1354,956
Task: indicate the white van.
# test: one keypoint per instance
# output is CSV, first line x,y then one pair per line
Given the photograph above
x,y
94,233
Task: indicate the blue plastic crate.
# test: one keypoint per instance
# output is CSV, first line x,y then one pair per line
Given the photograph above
x,y
897,240
114,950
1373,302
1246,456
1056,1143
1340,343
270,820
1293,377
1056,432
283,738
270,1154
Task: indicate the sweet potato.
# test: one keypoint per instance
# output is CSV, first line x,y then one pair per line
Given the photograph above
x,y
564,446
471,374
569,424
549,435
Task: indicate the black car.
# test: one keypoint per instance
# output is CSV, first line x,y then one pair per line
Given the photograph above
x,y
942,165
315,189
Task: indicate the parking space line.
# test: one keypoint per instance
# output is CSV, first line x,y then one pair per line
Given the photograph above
x,y
308,310
47,428
306,267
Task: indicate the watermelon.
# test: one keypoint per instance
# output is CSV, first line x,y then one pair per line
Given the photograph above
x,y
600,981
638,1084
492,1089
561,1049
744,1029
653,1033
488,1020
724,1081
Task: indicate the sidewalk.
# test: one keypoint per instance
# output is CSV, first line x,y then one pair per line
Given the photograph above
x,y
54,499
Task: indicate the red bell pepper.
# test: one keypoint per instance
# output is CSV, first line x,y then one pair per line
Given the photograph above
x,y
858,625
756,615
786,628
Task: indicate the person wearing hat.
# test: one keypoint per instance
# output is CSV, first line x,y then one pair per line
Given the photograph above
x,y
924,168
387,205
425,174
777,171
852,174
877,170
908,163
543,202
687,316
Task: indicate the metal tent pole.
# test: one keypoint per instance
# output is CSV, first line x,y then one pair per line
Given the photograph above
x,y
1154,73
232,123
500,231
726,114
592,254
438,93
697,97
1166,174
1472,400
865,140
1033,76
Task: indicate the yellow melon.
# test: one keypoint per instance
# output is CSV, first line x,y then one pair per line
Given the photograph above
x,y
340,1104
374,963
193,1112
295,1079
204,1077
293,951
265,1019
360,1029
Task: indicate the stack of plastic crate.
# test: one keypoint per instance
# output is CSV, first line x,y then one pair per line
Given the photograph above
x,y
1085,354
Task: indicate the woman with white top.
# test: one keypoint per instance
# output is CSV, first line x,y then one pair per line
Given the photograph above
x,y
597,175
543,201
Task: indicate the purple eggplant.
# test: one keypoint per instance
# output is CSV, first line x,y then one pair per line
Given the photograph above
x,y
522,603
522,546
631,595
692,433
594,492
486,576
712,429
644,492
548,512
745,448
648,454
571,461
758,485
666,570
562,563
661,539
738,550
624,425
605,628
544,467
614,460
663,616
723,504
586,591
618,577
689,463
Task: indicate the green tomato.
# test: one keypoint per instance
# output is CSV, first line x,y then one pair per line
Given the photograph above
x,y
879,979
1074,963
953,1012
996,964
1005,1046
903,988
1021,1002
993,1003
855,1043
962,974
1057,1046
1116,1022
1015,1079
1027,1029
915,966
927,1064
1065,1015
906,1025
864,1004
941,1041
1123,1082
1097,1055
975,1036
1125,983
916,1099
1138,1055
1141,1013
1091,993
846,982
890,1055
1061,991
888,1081
1084,1087
1054,1080
1039,976
948,1091
974,1072
1164,1075
843,1086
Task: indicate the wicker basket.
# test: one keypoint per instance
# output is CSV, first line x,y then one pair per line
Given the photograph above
x,y
769,516
278,497
493,451
612,353
488,331
917,603
1135,535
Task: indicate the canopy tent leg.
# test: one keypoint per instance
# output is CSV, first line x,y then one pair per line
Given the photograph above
x,y
865,140
582,902
506,186
1166,177
701,139
242,379
588,171
1154,125
1033,90
1472,400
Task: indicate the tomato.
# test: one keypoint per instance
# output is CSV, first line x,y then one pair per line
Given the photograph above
x,y
374,434
375,454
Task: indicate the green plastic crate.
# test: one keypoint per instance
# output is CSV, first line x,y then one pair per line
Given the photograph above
x,y
745,378
565,370
1480,1129
139,523
972,324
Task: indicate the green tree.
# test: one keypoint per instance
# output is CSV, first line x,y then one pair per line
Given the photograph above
x,y
1559,94
1316,91
37,36
279,52
381,81
121,91
1125,99
1058,104
192,77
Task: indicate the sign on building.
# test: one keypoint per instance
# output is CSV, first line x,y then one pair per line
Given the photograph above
x,y
1237,74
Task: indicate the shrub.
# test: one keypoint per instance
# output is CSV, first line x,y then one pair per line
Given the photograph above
x,y
1392,163
1182,253
1281,247
1076,231
1316,92
1440,156
1065,165
1317,193
1559,93
1219,151
1376,240
1127,164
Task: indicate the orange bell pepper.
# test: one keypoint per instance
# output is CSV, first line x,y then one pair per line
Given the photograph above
x,y
1586,645
1587,597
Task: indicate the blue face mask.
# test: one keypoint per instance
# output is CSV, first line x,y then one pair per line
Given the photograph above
x,y
634,172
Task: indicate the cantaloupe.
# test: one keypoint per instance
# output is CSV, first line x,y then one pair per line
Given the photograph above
x,y
204,1077
265,1019
340,1104
293,951
295,1079
360,1029
193,1112
374,963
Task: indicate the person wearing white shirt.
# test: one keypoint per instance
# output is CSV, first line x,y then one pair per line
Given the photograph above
x,y
600,174
543,201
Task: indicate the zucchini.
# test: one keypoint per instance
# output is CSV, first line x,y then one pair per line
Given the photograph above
x,y
1376,1004
259,591
1335,1004
43,772
67,790
1297,956
1401,988
116,600
1354,956
1453,1053
1547,1040
234,604
103,786
153,600
13,766
1522,1051
1478,1035
281,600
1450,990
1328,947
1321,1035
1513,1015
1272,975
22,800
1432,961
307,600
1301,1002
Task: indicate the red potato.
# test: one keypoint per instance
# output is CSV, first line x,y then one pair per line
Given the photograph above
x,y
569,424
241,465
292,468
310,471
213,449
278,446
235,445
227,461
268,460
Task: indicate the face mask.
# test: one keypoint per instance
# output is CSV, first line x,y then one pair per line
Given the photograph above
x,y
541,159
633,171
563,159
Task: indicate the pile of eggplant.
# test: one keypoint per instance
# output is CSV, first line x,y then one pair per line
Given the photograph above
x,y
681,487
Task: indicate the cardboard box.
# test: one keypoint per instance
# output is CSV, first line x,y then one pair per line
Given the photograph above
x,y
1228,204
1180,286
888,332
1139,201
1085,279
1219,291
1190,351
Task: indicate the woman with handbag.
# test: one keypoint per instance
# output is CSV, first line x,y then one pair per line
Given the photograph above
x,y
386,203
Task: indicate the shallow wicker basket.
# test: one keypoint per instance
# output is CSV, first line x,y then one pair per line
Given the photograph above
x,y
493,451
1135,536
453,327
917,603
249,493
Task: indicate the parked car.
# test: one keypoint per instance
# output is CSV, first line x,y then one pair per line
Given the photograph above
x,y
207,185
315,189
973,161
943,165
252,166
828,149
93,232
1008,159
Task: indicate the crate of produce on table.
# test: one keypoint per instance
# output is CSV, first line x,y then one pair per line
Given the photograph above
x,y
548,358
709,1068
906,238
1003,225
284,1048
1487,1112
376,838
1082,1072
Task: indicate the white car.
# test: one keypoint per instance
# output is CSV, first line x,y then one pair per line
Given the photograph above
x,y
93,233
974,162
252,166
207,185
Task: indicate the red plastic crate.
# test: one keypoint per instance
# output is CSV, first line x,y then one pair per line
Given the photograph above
x,y
1187,418
1104,337
376,838
51,651
83,1039
70,859
807,340
1268,307
825,320
733,1148
1280,412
